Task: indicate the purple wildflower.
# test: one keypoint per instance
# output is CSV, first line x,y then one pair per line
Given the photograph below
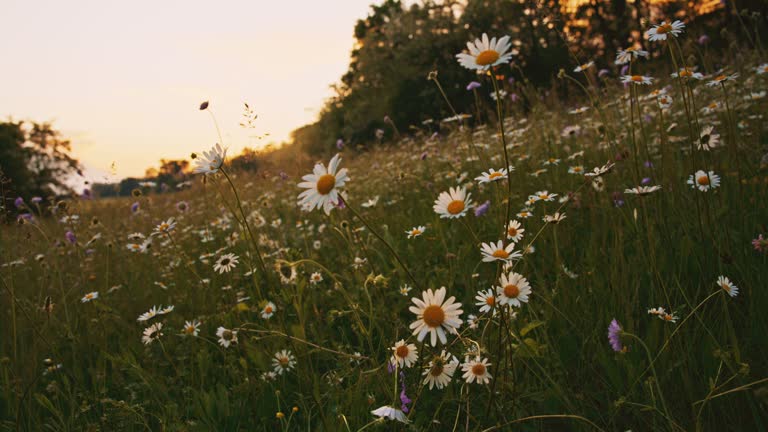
x,y
390,367
135,207
511,80
70,236
25,217
514,97
339,143
283,175
36,200
473,85
618,199
648,164
482,209
645,180
404,399
703,39
614,336
19,202
760,244
603,73
624,70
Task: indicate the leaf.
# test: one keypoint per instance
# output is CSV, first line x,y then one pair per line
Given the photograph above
x,y
530,326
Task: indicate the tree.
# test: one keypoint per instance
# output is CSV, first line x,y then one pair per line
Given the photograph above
x,y
36,159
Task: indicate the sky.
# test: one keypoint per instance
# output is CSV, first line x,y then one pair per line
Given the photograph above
x,y
124,80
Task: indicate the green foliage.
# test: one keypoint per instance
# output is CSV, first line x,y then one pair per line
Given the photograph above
x,y
35,160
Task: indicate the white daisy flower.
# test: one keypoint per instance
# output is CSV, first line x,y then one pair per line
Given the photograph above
x,y
165,227
625,56
152,333
721,79
484,53
726,284
576,169
687,73
762,69
554,218
498,252
453,204
525,213
664,101
514,289
584,67
476,370
416,231
191,328
600,171
405,289
707,139
642,190
661,31
405,355
283,361
440,370
226,337
268,310
435,316
226,263
492,175
545,196
514,231
637,79
211,161
315,278
391,413
148,315
322,186
704,181
486,300
90,296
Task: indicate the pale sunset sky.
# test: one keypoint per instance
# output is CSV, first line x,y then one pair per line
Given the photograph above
x,y
123,80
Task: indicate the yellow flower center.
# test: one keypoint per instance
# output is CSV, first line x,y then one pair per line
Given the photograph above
x,y
512,231
402,351
726,287
268,310
664,28
490,300
637,78
487,57
720,78
511,291
495,175
433,316
703,180
415,232
500,253
455,207
686,73
326,183
283,360
478,369
189,329
585,66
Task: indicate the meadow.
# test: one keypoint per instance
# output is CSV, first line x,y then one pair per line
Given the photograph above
x,y
590,264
